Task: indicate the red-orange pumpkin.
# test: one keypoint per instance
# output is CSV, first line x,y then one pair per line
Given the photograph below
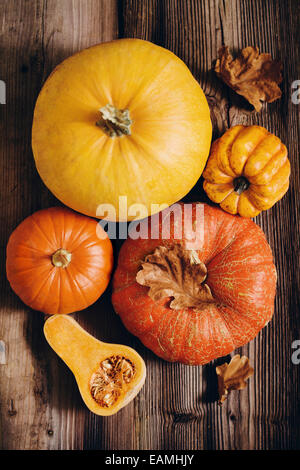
x,y
193,306
59,261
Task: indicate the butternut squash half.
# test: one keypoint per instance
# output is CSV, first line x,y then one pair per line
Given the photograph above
x,y
108,376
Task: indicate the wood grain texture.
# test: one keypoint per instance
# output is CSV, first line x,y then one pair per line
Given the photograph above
x,y
177,409
36,413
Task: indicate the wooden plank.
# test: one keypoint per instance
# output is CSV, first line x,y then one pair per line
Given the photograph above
x,y
38,396
40,407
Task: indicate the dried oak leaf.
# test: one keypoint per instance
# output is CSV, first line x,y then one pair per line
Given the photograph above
x,y
233,376
253,75
178,273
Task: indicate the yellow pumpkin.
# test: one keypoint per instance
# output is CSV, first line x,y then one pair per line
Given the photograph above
x,y
124,118
247,171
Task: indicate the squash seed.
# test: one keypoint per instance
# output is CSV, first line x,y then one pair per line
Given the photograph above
x,y
110,379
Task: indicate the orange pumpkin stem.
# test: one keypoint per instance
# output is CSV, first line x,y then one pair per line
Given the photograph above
x,y
114,122
61,258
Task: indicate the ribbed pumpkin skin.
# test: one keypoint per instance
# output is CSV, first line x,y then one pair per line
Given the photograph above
x,y
48,288
241,276
253,153
170,137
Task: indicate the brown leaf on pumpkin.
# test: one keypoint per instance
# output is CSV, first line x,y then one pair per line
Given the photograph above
x,y
178,273
253,75
233,376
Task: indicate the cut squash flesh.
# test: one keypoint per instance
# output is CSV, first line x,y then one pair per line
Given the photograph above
x,y
109,376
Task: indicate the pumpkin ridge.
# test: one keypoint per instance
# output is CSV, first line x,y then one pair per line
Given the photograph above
x,y
164,326
96,147
87,248
229,335
183,343
272,201
73,283
143,149
180,355
248,229
68,227
33,268
281,184
18,283
282,152
63,222
31,248
270,139
149,85
42,285
229,149
156,327
42,258
220,230
75,271
252,201
172,326
218,187
46,294
49,242
246,318
61,216
50,219
124,287
252,151
59,276
134,168
227,302
106,162
151,326
233,346
74,238
267,163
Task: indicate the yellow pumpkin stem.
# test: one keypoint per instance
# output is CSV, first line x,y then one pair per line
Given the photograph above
x,y
114,122
61,258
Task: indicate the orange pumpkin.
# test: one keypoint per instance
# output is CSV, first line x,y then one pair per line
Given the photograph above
x,y
59,261
194,305
248,170
124,118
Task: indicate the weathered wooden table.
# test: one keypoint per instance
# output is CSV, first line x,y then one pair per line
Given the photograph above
x,y
40,405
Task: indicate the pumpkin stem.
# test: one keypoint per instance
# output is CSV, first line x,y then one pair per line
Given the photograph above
x,y
241,184
61,258
114,122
